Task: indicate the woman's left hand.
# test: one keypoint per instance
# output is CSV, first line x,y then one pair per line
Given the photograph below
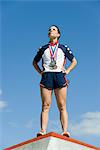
x,y
66,71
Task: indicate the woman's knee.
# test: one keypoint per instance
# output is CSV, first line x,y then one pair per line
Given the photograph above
x,y
62,107
45,107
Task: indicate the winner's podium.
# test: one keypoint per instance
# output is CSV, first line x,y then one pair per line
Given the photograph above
x,y
52,141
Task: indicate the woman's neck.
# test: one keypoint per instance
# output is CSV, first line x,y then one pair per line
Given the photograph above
x,y
53,41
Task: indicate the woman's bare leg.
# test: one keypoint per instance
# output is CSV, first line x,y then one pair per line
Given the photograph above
x,y
60,94
46,96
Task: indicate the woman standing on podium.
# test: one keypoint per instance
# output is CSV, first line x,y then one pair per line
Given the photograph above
x,y
53,77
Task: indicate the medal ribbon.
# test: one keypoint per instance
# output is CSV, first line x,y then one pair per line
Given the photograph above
x,y
53,52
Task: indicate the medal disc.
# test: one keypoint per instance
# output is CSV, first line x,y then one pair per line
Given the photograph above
x,y
52,64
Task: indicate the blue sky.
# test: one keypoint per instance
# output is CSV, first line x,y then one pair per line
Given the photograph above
x,y
24,27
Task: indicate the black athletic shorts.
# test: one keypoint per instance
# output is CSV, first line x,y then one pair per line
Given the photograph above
x,y
53,80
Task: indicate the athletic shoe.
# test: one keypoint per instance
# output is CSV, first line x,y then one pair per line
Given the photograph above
x,y
67,134
41,133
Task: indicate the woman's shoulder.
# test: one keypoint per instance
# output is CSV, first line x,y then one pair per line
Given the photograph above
x,y
64,47
44,46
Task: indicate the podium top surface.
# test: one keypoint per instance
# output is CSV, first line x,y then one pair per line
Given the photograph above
x,y
56,136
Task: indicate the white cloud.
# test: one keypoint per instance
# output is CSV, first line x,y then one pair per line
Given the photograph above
x,y
91,115
88,125
3,104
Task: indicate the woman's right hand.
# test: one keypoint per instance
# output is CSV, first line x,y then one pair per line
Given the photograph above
x,y
41,73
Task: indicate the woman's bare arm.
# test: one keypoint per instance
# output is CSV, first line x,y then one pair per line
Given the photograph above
x,y
72,66
36,66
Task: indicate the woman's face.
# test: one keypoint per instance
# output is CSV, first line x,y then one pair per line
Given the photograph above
x,y
53,32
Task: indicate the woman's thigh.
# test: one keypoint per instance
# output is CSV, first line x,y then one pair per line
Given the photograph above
x,y
46,95
60,94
